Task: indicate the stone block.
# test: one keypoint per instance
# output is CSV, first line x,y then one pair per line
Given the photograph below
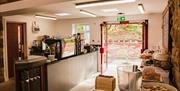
x,y
1,43
176,58
1,71
1,63
177,78
175,52
1,26
176,38
1,79
1,59
1,34
176,66
1,52
1,74
175,34
176,62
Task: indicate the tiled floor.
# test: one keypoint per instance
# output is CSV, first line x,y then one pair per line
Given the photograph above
x,y
89,84
8,86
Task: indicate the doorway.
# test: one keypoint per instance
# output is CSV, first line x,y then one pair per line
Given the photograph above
x,y
122,41
16,44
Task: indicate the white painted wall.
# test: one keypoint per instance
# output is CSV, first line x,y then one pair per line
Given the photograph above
x,y
47,27
64,27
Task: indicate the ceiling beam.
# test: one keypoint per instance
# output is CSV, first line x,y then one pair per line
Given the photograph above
x,y
23,4
7,1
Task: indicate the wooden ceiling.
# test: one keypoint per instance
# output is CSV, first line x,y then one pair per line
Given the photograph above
x,y
7,1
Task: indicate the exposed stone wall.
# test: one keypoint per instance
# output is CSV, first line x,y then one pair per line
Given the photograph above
x,y
1,52
175,35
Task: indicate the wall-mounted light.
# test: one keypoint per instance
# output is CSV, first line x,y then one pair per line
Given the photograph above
x,y
101,3
45,17
87,13
141,8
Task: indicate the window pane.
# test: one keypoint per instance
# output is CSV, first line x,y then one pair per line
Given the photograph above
x,y
87,37
73,29
82,28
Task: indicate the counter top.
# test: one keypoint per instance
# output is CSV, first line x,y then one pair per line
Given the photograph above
x,y
34,60
31,59
30,62
52,62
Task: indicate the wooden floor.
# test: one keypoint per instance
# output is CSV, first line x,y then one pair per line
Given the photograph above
x,y
8,86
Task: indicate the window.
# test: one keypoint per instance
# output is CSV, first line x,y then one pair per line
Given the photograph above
x,y
82,28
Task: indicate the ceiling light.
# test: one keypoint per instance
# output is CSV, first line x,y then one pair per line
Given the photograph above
x,y
141,8
110,10
87,13
101,3
63,14
45,17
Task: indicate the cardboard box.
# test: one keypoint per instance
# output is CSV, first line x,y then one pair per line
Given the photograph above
x,y
105,83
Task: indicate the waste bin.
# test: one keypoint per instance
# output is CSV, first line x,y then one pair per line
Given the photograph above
x,y
129,78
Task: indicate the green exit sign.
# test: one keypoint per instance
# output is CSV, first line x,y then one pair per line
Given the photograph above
x,y
121,18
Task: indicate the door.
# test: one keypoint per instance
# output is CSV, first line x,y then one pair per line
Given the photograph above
x,y
104,48
15,44
122,40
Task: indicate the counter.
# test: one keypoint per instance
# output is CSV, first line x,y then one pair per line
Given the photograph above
x,y
36,74
66,73
30,74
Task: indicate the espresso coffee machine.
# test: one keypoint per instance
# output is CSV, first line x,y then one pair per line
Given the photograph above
x,y
54,47
78,43
36,48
